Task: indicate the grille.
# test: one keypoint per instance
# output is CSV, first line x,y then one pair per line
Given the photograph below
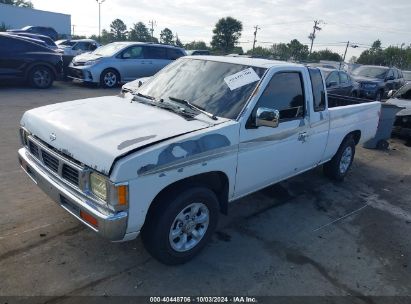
x,y
70,174
50,161
55,162
34,149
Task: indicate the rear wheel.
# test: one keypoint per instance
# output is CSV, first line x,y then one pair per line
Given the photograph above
x,y
109,78
41,77
180,225
337,168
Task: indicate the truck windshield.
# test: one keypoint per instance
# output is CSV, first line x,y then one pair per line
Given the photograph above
x,y
371,72
203,84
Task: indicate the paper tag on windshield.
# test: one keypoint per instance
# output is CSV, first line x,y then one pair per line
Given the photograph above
x,y
241,78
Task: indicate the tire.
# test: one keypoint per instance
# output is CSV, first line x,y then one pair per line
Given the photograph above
x,y
338,167
383,144
41,77
109,78
169,233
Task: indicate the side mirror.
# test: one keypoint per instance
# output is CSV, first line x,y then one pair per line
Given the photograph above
x,y
126,56
266,117
331,84
391,93
390,78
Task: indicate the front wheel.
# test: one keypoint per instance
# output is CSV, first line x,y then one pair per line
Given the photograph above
x,y
109,78
180,225
337,168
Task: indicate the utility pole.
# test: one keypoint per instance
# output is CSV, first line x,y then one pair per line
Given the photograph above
x,y
99,2
312,35
345,53
72,31
256,28
152,24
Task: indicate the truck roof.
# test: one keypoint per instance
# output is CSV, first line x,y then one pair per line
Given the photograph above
x,y
256,62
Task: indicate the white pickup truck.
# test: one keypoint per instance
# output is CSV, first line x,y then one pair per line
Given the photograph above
x,y
203,132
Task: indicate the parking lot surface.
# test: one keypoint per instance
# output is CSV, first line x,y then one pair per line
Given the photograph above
x,y
306,236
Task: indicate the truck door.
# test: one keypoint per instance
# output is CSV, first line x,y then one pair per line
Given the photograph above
x,y
268,154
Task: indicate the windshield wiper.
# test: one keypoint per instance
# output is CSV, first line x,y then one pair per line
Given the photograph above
x,y
145,96
189,104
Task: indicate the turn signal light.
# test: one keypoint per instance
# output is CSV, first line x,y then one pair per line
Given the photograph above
x,y
88,218
122,195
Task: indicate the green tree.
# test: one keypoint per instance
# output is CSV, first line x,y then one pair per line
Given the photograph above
x,y
118,30
260,51
19,3
280,51
227,32
106,37
166,36
297,50
196,45
325,55
139,32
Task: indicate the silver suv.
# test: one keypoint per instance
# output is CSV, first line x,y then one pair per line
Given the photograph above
x,y
122,62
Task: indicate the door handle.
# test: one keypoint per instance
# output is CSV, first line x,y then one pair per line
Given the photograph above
x,y
303,136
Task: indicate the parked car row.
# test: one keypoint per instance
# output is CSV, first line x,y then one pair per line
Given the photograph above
x,y
22,58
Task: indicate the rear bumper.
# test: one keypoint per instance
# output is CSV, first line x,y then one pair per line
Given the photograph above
x,y
112,226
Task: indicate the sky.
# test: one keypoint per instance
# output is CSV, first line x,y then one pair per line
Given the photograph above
x,y
360,22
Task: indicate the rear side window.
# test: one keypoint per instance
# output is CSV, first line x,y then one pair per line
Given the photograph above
x,y
174,54
285,93
318,89
152,52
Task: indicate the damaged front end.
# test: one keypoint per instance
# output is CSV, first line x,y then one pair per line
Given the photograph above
x,y
86,194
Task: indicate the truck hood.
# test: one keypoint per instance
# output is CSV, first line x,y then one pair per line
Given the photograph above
x,y
96,131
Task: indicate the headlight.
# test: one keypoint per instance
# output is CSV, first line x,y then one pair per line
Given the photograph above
x,y
115,195
91,62
98,185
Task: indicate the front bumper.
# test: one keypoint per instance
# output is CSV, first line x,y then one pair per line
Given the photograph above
x,y
112,226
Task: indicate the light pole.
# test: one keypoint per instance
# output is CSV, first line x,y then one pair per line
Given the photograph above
x,y
99,2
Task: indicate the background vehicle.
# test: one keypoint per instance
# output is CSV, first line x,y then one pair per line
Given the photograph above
x,y
132,86
47,40
42,30
22,59
376,81
168,161
340,83
197,52
77,47
407,75
402,98
122,62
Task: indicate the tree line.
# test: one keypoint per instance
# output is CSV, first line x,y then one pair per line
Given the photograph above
x,y
225,40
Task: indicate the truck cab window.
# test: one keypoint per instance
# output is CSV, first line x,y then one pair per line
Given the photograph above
x,y
284,93
318,89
